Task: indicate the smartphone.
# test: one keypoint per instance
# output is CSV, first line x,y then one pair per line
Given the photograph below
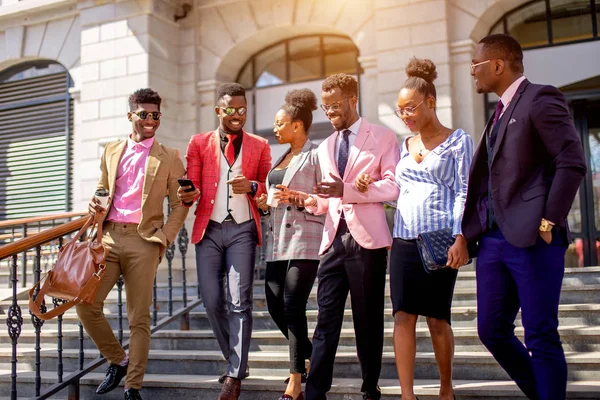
x,y
186,182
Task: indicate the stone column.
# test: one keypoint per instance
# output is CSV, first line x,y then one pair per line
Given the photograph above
x,y
468,108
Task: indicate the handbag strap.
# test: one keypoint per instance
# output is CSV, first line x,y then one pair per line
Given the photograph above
x,y
34,305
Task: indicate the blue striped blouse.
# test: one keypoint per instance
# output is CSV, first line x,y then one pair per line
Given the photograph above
x,y
433,192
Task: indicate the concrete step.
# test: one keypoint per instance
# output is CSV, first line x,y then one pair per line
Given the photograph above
x,y
462,316
463,297
574,338
467,365
466,279
256,387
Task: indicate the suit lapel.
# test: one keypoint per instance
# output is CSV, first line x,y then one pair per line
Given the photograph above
x,y
115,157
331,141
297,162
506,117
155,157
363,134
214,147
246,150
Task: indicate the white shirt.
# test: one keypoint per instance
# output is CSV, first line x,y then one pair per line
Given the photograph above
x,y
509,93
351,138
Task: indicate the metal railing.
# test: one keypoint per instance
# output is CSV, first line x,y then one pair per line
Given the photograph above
x,y
38,248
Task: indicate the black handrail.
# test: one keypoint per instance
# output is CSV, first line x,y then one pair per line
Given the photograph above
x,y
45,243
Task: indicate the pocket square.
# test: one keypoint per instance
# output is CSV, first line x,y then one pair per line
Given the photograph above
x,y
512,121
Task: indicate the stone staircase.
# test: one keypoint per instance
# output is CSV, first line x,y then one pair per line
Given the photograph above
x,y
186,364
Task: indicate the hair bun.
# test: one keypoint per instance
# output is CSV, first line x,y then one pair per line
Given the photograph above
x,y
302,98
421,68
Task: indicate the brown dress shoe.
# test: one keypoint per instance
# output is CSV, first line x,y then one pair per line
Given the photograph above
x,y
231,389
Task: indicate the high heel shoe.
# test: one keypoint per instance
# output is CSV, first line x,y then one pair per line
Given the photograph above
x,y
303,378
288,397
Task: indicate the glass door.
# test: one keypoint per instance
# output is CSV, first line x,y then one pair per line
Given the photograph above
x,y
584,217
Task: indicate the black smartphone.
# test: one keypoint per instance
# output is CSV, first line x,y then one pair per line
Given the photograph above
x,y
186,182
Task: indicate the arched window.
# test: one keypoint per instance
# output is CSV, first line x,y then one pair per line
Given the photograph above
x,y
36,120
300,59
542,23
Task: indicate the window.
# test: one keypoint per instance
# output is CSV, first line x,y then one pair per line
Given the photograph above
x,y
301,59
542,23
36,121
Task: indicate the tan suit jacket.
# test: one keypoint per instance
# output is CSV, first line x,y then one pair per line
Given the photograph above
x,y
163,168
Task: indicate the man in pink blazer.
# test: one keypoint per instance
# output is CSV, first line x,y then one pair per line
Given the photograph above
x,y
356,235
228,167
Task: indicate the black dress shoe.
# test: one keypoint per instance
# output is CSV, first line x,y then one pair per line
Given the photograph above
x,y
132,394
222,377
114,374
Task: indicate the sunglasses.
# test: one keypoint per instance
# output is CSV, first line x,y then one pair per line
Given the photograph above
x,y
232,110
407,110
144,114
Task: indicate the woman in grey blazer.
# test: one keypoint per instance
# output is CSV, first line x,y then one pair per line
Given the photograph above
x,y
294,235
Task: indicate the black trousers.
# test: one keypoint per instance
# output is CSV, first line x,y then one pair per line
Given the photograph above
x,y
287,287
346,266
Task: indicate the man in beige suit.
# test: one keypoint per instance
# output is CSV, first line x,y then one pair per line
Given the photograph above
x,y
137,172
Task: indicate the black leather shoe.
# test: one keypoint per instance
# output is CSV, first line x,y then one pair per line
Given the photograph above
x,y
132,394
222,377
114,374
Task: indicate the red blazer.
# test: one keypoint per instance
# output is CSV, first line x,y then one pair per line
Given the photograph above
x,y
203,158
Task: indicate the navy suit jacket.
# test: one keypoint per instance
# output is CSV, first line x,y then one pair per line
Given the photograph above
x,y
537,167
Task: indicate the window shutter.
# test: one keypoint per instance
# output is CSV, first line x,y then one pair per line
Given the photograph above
x,y
36,119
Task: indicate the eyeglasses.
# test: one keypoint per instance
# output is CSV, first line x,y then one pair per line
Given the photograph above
x,y
478,64
333,106
144,114
407,110
232,110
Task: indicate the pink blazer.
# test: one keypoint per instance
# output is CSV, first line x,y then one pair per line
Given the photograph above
x,y
375,152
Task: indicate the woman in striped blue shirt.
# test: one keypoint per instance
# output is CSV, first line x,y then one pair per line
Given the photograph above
x,y
432,174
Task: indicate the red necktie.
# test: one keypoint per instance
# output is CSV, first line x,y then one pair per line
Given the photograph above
x,y
229,149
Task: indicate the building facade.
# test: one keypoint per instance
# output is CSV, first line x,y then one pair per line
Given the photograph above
x,y
67,67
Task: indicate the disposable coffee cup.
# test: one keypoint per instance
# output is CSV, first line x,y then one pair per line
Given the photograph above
x,y
102,196
271,200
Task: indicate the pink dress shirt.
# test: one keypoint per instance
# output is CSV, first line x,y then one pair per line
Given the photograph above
x,y
126,205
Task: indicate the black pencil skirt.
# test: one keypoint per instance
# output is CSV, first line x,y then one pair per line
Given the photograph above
x,y
413,290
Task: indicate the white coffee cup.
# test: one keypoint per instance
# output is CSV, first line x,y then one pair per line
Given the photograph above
x,y
271,200
102,196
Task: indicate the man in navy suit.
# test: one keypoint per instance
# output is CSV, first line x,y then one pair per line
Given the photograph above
x,y
524,178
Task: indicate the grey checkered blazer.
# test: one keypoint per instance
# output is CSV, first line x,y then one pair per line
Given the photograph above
x,y
295,234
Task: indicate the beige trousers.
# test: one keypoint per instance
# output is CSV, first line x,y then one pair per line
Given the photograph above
x,y
137,260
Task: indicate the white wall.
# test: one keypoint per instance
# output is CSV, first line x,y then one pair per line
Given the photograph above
x,y
563,65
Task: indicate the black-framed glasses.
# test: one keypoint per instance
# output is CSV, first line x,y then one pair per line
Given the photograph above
x,y
407,110
333,106
232,110
144,114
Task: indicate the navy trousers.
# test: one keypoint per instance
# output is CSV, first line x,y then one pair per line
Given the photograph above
x,y
509,278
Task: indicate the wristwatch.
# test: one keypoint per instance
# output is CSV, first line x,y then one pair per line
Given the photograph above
x,y
253,188
545,226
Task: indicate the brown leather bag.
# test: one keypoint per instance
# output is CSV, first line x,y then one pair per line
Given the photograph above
x,y
76,275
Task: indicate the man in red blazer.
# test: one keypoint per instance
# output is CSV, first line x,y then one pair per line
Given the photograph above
x,y
229,167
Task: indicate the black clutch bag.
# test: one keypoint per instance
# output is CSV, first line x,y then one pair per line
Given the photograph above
x,y
433,248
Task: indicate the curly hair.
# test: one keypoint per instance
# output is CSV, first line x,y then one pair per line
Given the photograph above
x,y
299,105
144,96
421,74
505,47
347,84
230,89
